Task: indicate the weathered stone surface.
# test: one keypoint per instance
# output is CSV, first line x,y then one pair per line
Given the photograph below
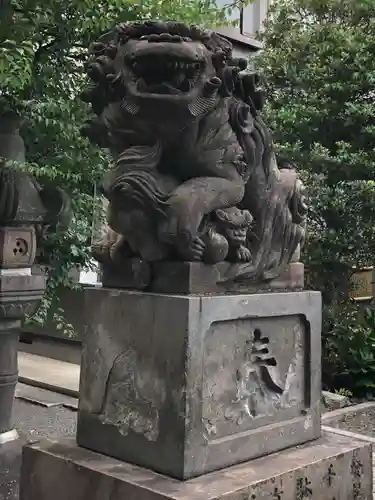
x,y
195,277
333,467
185,385
133,274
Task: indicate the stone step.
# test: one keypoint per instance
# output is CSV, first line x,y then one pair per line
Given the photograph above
x,y
332,467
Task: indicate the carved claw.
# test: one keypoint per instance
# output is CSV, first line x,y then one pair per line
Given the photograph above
x,y
243,254
198,245
195,251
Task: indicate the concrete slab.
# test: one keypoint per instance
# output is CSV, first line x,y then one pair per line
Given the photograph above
x,y
50,347
49,374
45,397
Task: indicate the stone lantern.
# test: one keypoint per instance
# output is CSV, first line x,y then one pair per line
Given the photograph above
x,y
27,208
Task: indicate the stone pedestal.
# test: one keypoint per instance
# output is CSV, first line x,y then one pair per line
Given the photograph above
x,y
332,467
185,385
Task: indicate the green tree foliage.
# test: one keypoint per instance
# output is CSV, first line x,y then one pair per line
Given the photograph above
x,y
320,80
43,51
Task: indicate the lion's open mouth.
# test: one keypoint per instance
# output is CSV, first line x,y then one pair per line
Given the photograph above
x,y
165,75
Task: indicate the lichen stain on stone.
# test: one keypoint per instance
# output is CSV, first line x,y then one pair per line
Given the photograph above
x,y
209,427
307,423
180,403
134,396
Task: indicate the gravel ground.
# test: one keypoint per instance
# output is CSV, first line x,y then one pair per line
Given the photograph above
x,y
33,422
360,421
364,424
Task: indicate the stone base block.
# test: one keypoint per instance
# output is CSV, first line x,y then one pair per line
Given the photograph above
x,y
333,467
196,277
185,385
134,274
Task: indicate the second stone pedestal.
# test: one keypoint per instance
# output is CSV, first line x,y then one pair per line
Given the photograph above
x,y
185,385
331,468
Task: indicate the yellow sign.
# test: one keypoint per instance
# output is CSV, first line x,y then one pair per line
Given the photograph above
x,y
362,282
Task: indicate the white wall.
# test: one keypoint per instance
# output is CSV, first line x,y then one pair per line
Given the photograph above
x,y
252,19
254,16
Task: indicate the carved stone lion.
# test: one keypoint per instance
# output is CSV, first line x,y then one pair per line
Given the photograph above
x,y
192,156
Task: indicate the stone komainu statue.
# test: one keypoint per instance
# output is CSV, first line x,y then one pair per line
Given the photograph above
x,y
195,175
